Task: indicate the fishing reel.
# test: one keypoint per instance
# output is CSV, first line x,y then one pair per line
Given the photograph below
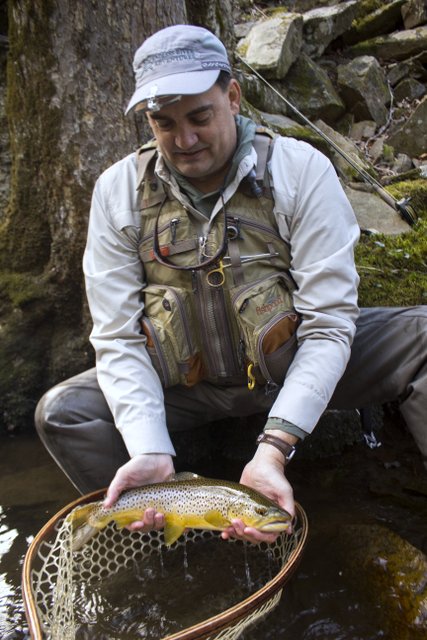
x,y
406,211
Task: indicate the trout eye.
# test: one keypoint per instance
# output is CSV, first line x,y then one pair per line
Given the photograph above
x,y
261,511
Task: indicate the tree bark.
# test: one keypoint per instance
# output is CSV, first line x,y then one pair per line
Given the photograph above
x,y
69,78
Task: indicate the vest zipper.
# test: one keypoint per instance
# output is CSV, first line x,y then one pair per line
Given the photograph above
x,y
242,222
159,351
183,316
216,336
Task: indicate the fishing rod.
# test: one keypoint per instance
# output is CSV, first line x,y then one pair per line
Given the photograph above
x,y
402,206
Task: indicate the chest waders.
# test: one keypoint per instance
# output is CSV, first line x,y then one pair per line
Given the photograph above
x,y
217,305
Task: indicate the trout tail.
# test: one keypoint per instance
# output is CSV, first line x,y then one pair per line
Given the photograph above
x,y
82,531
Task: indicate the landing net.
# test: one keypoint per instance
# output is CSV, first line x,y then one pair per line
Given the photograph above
x,y
53,575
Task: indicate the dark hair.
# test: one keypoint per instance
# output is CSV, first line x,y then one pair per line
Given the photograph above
x,y
223,80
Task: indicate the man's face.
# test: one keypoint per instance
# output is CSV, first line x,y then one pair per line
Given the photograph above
x,y
197,134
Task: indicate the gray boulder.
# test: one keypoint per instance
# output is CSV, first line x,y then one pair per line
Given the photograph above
x,y
414,13
394,46
411,137
385,19
325,24
273,45
363,86
409,89
309,88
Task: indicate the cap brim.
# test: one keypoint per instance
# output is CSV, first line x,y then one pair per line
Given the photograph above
x,y
178,84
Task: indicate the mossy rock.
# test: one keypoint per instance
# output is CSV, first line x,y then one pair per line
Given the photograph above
x,y
392,573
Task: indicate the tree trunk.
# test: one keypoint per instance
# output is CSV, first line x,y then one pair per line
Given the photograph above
x,y
69,78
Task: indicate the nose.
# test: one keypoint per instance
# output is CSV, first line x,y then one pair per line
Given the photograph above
x,y
185,138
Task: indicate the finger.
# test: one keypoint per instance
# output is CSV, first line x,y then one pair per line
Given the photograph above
x,y
112,496
255,536
159,521
149,517
136,526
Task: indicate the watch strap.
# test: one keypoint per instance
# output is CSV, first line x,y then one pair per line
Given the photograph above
x,y
288,450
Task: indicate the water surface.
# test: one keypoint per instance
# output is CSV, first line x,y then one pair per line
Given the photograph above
x,y
321,601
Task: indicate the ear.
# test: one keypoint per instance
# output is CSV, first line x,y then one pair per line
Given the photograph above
x,y
234,96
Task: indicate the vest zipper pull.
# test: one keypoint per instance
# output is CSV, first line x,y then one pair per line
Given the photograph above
x,y
173,225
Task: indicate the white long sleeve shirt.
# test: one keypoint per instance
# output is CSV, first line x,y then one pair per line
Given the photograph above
x,y
313,216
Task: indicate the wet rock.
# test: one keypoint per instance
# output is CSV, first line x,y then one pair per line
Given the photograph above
x,y
396,46
363,86
383,20
393,573
309,88
325,24
414,13
272,45
411,137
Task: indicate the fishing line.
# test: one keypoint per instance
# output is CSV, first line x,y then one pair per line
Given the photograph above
x,y
402,206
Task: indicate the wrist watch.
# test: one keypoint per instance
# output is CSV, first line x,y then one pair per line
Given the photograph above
x,y
287,449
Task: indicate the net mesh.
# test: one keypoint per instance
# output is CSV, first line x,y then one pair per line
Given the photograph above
x,y
53,575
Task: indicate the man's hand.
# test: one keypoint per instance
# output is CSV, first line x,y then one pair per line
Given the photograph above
x,y
265,474
143,469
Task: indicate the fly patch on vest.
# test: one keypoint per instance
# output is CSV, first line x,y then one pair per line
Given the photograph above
x,y
231,321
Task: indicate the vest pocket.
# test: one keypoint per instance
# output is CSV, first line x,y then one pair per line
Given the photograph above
x,y
268,324
167,322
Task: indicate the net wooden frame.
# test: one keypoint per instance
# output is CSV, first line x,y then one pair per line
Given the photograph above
x,y
48,605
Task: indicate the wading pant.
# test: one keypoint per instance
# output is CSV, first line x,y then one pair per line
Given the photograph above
x,y
388,363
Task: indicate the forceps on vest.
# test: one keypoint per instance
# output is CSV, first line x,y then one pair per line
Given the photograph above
x,y
216,277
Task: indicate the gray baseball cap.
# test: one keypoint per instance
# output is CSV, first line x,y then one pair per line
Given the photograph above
x,y
176,61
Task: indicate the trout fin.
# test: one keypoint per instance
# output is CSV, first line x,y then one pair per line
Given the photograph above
x,y
124,518
216,519
82,531
80,515
174,527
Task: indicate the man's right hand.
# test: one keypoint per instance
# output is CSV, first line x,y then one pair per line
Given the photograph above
x,y
145,468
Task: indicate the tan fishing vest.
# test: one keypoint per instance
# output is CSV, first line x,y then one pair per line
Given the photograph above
x,y
230,321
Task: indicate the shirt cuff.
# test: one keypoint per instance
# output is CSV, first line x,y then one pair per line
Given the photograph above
x,y
150,436
279,424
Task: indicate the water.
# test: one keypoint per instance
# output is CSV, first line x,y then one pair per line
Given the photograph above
x,y
155,597
322,600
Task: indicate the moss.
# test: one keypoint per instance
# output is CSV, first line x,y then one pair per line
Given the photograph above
x,y
366,9
393,269
300,132
388,153
19,289
416,190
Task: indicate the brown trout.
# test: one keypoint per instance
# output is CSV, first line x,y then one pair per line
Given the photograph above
x,y
187,501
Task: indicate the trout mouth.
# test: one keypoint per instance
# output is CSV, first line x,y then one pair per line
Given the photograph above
x,y
274,527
